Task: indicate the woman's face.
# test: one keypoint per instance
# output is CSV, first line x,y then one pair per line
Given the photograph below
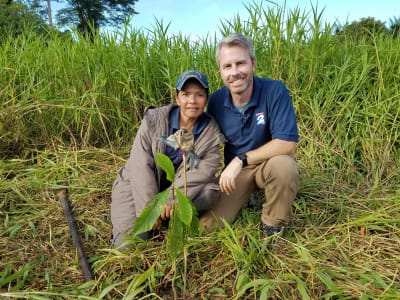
x,y
192,100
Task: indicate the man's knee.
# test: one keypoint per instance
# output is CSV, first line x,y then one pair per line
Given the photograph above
x,y
279,170
283,168
210,221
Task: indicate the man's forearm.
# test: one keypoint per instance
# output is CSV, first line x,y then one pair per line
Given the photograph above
x,y
270,149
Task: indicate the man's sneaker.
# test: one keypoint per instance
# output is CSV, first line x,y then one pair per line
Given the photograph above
x,y
270,230
273,235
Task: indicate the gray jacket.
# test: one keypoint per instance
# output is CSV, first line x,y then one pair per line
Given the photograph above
x,y
139,180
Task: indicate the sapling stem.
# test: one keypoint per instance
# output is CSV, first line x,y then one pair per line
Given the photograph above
x,y
184,172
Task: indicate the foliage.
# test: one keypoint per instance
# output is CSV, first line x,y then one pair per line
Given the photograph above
x,y
366,28
184,219
395,27
84,93
41,8
68,113
16,18
88,16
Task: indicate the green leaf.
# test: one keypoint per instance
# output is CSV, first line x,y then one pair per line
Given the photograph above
x,y
166,165
267,285
150,214
304,254
242,279
185,211
301,285
194,226
13,230
138,284
266,290
32,226
327,280
175,237
107,290
21,275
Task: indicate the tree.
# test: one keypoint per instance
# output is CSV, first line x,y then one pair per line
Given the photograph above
x,y
15,17
363,29
88,15
43,8
395,27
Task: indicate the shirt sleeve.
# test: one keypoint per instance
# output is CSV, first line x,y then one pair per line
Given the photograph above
x,y
283,123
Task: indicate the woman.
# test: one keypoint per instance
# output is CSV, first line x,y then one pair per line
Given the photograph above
x,y
141,178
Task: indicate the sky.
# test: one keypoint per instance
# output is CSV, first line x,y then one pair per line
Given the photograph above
x,y
198,18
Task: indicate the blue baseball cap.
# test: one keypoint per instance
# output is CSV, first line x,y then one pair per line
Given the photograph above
x,y
200,77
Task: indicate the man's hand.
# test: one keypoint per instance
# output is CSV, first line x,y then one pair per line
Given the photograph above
x,y
227,180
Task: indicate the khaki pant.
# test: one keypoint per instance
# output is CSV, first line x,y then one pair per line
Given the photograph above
x,y
278,177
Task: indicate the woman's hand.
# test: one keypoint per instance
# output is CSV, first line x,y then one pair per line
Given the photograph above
x,y
167,212
165,215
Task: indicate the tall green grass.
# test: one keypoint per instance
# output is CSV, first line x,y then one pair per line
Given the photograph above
x,y
69,110
85,93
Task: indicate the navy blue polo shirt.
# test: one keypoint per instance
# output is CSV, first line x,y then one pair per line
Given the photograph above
x,y
268,115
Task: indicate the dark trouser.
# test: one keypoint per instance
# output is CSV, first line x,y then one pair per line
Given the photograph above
x,y
123,205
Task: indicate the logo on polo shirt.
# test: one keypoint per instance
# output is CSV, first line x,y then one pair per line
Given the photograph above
x,y
260,119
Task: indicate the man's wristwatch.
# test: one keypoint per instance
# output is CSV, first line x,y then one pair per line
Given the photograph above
x,y
243,158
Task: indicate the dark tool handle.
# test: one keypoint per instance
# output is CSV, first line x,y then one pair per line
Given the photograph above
x,y
63,196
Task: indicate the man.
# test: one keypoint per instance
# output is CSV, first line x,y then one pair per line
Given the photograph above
x,y
256,116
